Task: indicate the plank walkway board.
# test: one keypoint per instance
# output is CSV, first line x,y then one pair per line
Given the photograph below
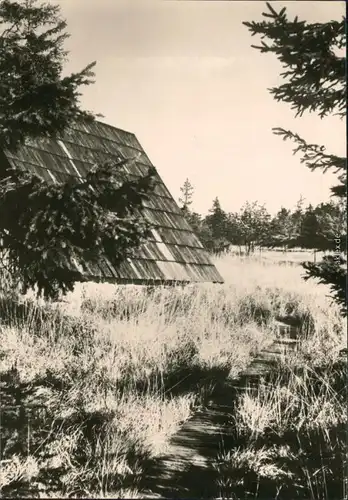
x,y
186,470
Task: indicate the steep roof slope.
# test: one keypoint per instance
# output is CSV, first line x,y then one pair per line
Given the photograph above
x,y
173,252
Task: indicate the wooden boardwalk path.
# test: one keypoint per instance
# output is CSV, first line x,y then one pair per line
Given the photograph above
x,y
186,470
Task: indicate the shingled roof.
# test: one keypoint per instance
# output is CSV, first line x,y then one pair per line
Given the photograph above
x,y
173,253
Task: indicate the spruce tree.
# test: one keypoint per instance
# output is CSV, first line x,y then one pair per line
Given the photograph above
x,y
45,229
216,223
314,79
186,195
310,234
186,199
217,219
332,220
282,229
35,98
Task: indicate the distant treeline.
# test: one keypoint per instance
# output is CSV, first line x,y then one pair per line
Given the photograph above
x,y
319,228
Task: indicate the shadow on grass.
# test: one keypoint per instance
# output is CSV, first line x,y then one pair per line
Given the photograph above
x,y
304,464
300,463
44,320
15,312
78,454
196,445
28,430
187,470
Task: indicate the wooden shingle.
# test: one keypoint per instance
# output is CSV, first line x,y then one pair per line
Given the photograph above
x,y
173,253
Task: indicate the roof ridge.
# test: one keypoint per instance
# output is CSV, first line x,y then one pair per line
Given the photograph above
x,y
176,255
115,128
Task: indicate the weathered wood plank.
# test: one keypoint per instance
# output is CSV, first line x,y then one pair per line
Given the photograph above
x,y
186,470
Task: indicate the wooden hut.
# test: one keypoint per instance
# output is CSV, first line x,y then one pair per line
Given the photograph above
x,y
172,254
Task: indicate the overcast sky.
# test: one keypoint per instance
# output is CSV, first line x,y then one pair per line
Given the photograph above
x,y
182,76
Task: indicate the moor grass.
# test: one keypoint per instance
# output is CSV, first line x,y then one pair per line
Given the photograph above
x,y
93,387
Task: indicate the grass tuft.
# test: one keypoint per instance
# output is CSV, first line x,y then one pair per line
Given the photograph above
x,y
94,387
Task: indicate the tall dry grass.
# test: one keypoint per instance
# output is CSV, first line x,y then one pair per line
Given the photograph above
x,y
288,436
118,369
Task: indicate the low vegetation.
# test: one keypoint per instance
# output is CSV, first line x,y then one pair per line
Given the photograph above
x,y
93,388
288,436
